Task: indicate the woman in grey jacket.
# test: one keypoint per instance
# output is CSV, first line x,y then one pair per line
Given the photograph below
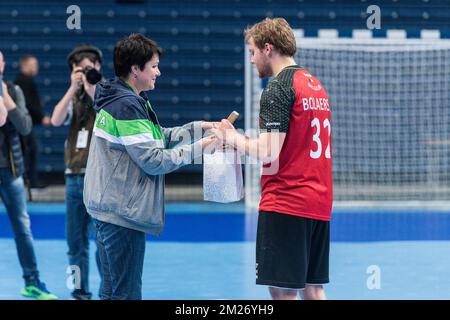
x,y
129,154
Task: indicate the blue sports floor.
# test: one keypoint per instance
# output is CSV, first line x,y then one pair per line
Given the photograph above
x,y
207,252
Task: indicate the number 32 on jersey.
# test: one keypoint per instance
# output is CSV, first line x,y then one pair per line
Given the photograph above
x,y
315,154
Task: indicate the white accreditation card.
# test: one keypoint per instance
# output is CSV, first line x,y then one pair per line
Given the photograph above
x,y
82,139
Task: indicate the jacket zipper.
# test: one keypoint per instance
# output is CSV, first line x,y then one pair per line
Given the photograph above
x,y
11,160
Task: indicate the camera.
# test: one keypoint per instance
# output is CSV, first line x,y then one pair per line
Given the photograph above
x,y
93,76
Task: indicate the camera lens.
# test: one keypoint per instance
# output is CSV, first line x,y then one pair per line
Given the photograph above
x,y
93,76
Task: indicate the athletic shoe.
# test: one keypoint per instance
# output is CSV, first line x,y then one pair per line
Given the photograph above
x,y
79,294
38,291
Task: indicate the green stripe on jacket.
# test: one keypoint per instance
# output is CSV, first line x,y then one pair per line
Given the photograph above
x,y
122,128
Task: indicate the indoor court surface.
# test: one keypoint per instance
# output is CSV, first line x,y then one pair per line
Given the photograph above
x,y
188,263
368,131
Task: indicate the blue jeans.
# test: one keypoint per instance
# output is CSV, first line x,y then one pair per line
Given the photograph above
x,y
78,222
121,253
12,192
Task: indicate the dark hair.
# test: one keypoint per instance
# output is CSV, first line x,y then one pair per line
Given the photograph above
x,y
82,52
135,49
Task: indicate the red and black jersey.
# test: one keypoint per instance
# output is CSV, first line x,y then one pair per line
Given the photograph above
x,y
300,181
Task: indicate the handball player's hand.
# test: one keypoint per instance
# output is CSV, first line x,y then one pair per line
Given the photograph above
x,y
225,124
225,132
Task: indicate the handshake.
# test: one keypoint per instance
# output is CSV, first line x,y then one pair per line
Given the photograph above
x,y
219,134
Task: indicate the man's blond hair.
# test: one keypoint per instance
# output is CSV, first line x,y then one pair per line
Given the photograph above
x,y
276,32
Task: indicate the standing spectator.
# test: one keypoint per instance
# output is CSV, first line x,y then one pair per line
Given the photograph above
x,y
76,109
29,68
12,189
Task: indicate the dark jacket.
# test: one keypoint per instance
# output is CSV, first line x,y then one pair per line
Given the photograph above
x,y
81,116
18,123
32,99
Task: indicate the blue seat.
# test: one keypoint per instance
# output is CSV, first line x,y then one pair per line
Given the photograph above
x,y
203,67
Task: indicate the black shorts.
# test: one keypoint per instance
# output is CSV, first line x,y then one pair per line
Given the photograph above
x,y
291,251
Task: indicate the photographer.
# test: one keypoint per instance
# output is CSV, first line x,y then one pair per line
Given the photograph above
x,y
76,109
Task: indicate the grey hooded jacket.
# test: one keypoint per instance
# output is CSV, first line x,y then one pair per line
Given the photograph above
x,y
129,155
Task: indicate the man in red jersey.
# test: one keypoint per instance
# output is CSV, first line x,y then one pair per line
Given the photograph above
x,y
292,247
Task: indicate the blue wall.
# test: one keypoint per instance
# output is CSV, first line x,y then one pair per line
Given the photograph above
x,y
188,222
203,68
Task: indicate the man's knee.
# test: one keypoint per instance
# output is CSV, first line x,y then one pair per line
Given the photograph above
x,y
313,292
283,294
